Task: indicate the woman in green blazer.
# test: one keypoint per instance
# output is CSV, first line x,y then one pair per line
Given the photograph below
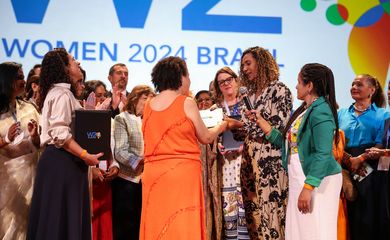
x,y
314,175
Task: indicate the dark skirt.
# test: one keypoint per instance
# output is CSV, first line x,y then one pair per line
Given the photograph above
x,y
60,202
369,214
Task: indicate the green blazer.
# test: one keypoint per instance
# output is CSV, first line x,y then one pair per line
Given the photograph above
x,y
315,141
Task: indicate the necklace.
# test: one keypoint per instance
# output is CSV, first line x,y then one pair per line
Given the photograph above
x,y
359,109
308,105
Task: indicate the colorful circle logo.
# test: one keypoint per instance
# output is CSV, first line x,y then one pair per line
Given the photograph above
x,y
368,43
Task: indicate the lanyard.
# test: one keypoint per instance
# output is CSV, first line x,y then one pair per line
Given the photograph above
x,y
235,109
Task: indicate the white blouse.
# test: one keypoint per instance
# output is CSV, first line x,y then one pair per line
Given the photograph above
x,y
57,114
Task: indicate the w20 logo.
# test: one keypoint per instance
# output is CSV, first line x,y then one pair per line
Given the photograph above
x,y
94,135
133,14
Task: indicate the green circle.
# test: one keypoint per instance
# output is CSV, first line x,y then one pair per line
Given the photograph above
x,y
333,15
308,5
386,6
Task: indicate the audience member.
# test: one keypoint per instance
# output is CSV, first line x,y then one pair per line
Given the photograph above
x,y
118,77
19,143
32,90
363,125
212,175
203,99
129,152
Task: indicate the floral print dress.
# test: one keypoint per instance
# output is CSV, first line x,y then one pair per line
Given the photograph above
x,y
264,181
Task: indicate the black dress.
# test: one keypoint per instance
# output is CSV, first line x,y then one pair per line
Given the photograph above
x,y
60,207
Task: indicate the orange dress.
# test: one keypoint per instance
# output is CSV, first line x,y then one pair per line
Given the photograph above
x,y
172,197
342,219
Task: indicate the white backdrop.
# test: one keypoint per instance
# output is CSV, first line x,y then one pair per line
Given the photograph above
x,y
91,30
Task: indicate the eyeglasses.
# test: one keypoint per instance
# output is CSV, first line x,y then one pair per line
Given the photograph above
x,y
226,81
203,100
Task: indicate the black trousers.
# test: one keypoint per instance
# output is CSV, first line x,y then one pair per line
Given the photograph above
x,y
126,209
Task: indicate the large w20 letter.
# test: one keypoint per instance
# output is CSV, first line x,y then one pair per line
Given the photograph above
x,y
29,11
132,13
195,17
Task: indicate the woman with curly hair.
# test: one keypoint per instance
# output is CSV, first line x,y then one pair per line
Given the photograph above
x,y
60,206
263,178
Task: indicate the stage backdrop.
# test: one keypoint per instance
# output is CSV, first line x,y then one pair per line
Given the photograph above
x,y
350,37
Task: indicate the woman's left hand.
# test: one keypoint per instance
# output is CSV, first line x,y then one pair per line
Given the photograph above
x,y
304,201
112,173
232,123
32,128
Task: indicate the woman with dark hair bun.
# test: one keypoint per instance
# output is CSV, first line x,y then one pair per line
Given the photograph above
x,y
363,124
60,206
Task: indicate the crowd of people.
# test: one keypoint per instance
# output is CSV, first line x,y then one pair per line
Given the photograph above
x,y
266,171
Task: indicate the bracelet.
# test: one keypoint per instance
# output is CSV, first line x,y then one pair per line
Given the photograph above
x,y
361,158
6,139
386,153
83,153
307,186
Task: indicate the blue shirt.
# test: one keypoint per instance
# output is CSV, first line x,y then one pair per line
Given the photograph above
x,y
367,128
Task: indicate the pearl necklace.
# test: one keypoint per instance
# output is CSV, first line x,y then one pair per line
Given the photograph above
x,y
360,110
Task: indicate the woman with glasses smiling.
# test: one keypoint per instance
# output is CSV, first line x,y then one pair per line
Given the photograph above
x,y
203,100
226,88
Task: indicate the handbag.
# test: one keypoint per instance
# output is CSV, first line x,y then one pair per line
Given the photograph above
x,y
349,189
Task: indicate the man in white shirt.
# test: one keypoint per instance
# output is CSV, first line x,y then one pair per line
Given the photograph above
x,y
118,77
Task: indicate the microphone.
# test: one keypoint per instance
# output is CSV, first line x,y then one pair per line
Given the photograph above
x,y
244,93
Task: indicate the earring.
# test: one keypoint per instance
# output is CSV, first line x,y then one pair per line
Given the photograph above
x,y
369,95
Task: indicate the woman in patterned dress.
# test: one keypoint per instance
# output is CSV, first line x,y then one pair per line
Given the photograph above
x,y
226,88
263,178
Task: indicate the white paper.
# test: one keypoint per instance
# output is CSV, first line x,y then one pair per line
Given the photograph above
x,y
211,118
103,165
383,164
368,170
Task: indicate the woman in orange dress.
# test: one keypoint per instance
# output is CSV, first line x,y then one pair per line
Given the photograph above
x,y
172,196
342,218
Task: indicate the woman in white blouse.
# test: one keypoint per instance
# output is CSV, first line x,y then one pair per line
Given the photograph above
x,y
60,202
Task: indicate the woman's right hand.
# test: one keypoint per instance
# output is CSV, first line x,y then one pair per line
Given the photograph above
x,y
97,174
90,103
92,159
13,131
